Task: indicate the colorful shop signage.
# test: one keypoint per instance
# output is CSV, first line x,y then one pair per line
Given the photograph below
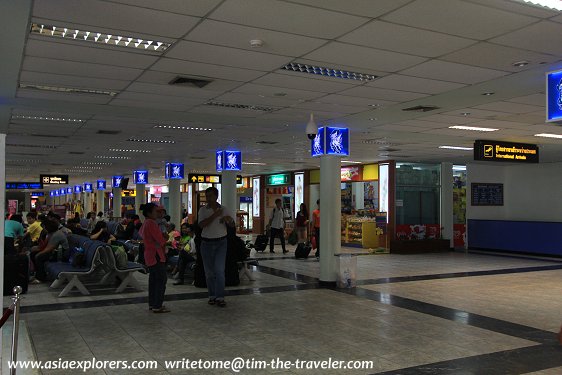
x,y
278,179
352,173
48,179
486,150
140,177
174,171
554,96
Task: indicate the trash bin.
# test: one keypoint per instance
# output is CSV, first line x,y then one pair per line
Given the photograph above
x,y
347,271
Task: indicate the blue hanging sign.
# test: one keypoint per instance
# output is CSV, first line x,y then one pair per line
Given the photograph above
x,y
317,144
62,191
69,190
232,160
140,177
101,184
116,181
23,185
56,193
52,193
37,194
337,141
88,187
554,96
77,189
219,160
174,171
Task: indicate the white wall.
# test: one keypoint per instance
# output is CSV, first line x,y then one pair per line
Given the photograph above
x,y
532,192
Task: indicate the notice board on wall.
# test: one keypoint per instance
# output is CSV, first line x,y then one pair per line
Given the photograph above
x,y
486,194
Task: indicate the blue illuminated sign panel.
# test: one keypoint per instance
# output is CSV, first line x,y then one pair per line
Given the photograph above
x,y
69,190
140,177
56,193
77,189
23,185
317,144
554,96
174,171
88,187
219,160
62,191
37,194
116,181
101,184
52,193
337,141
232,160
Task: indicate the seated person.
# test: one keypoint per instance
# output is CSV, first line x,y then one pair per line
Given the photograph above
x,y
13,233
47,250
173,238
187,252
34,228
125,230
57,219
101,233
75,227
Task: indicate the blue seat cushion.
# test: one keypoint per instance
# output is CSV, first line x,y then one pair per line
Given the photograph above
x,y
55,268
134,266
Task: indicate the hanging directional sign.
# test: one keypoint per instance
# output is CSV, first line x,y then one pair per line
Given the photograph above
x,y
174,171
337,141
140,177
219,158
23,185
62,191
69,190
88,187
201,178
554,96
317,144
52,193
47,179
116,181
56,193
77,189
37,194
101,184
232,160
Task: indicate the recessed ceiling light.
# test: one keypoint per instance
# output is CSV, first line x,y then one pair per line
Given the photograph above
x,y
145,140
552,4
46,118
252,163
98,37
328,72
72,90
457,148
465,113
374,105
547,135
128,150
520,64
372,119
472,128
488,93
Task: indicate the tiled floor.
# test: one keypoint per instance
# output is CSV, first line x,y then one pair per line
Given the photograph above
x,y
465,314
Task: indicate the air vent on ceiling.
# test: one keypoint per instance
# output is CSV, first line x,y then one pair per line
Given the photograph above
x,y
190,82
77,152
421,108
109,132
328,72
267,143
46,135
240,106
56,164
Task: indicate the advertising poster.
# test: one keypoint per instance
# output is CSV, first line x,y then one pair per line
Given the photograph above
x,y
190,199
299,190
256,197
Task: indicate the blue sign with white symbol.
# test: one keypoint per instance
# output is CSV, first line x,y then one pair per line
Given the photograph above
x,y
116,181
56,193
174,171
219,160
101,184
37,194
62,191
23,185
317,144
77,189
69,190
140,177
52,193
554,96
337,141
88,187
232,160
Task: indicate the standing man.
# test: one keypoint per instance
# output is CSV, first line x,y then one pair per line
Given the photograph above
x,y
277,225
316,227
213,219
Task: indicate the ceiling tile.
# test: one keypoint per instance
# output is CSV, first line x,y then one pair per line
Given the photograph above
x,y
300,82
192,7
101,15
158,98
534,99
60,80
158,105
287,17
544,36
83,98
195,69
458,18
180,91
413,41
240,98
474,113
272,91
207,109
494,56
71,52
366,8
320,106
518,7
207,53
508,107
363,57
238,36
452,120
453,72
414,84
383,94
399,128
356,101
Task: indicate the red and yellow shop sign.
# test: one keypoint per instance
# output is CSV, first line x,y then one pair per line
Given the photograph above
x,y
352,173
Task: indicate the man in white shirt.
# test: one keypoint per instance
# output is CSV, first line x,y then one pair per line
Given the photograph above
x,y
277,225
213,219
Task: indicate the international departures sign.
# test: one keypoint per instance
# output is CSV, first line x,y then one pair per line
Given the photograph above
x,y
486,150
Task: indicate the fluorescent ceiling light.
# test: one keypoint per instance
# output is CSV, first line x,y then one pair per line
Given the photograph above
x,y
552,4
252,163
96,163
98,37
132,139
180,127
546,135
459,167
240,106
351,162
23,161
328,72
128,150
473,128
46,118
72,90
457,148
112,157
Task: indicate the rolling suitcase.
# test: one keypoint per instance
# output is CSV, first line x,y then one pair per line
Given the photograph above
x,y
16,272
302,251
261,242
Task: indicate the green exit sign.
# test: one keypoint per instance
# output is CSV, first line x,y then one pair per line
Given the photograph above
x,y
278,179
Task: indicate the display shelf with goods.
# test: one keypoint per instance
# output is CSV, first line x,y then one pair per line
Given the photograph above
x,y
364,231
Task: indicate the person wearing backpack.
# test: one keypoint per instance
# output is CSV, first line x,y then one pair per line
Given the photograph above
x,y
277,225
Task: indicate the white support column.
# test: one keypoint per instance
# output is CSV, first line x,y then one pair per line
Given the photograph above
x,y
330,216
87,202
117,202
2,211
174,201
140,197
447,202
228,193
100,201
